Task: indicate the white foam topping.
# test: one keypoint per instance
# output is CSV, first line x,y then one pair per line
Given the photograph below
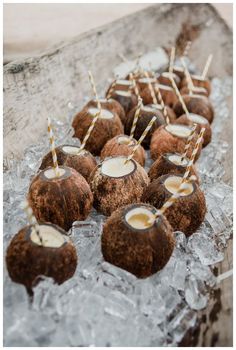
x,y
105,114
51,237
140,218
50,173
178,130
172,184
176,159
196,118
116,167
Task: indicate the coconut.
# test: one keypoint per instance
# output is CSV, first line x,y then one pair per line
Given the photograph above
x,y
170,112
60,200
28,260
197,90
120,84
179,71
131,242
198,81
115,183
196,104
146,115
188,212
167,92
127,99
170,163
142,83
164,79
71,156
110,104
107,126
172,138
123,145
201,123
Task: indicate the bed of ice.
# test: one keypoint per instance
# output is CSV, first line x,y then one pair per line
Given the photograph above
x,y
103,305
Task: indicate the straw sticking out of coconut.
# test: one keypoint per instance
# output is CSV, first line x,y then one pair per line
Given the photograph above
x,y
207,66
172,60
92,82
52,143
136,116
188,77
32,220
188,143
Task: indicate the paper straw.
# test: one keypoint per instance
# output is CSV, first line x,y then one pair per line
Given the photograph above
x,y
90,129
192,158
188,143
136,116
179,95
207,66
95,91
187,48
32,219
188,77
112,88
52,143
172,60
144,134
131,76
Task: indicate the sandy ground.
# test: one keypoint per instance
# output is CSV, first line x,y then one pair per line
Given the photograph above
x,y
32,28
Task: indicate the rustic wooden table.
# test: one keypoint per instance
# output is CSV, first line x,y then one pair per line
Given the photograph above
x,y
33,88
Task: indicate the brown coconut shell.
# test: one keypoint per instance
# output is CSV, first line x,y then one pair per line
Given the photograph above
x,y
143,84
144,118
112,193
197,104
115,85
141,252
198,82
114,148
170,111
168,95
164,142
186,214
111,105
127,102
26,261
179,71
184,120
164,79
139,74
83,163
104,130
163,165
197,90
61,200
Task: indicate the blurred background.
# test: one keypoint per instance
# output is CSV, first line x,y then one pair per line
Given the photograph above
x,y
30,29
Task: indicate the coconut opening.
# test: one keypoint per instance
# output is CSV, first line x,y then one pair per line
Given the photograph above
x,y
146,80
168,75
125,140
51,237
198,77
124,82
172,184
196,118
178,69
199,89
116,167
140,218
149,109
165,87
105,114
123,93
178,130
50,173
177,159
73,150
157,106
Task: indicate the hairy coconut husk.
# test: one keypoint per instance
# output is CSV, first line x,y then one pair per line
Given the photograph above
x,y
196,104
127,102
104,130
114,148
164,79
144,118
186,214
112,105
168,95
61,200
198,82
170,112
197,90
111,193
83,162
163,165
27,261
184,120
141,252
163,141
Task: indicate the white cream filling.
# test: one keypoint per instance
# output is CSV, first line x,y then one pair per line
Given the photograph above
x,y
123,93
176,159
196,118
105,114
116,167
178,130
172,184
50,173
51,237
72,150
140,218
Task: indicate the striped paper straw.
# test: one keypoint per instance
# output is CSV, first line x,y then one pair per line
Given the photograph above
x,y
188,76
187,48
95,91
136,116
195,150
144,134
112,88
52,143
131,76
179,96
188,143
151,89
90,129
172,60
207,66
32,219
